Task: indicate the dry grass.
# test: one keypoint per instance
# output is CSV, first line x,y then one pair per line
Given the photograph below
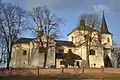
x,y
105,76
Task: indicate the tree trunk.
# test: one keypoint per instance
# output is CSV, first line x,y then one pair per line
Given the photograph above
x,y
9,56
8,60
45,60
87,47
46,52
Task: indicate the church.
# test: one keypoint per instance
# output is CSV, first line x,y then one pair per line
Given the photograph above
x,y
90,47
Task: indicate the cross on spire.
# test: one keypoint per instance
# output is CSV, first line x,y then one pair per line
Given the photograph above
x,y
103,12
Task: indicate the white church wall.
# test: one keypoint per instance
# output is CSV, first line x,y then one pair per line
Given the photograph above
x,y
107,39
51,57
98,58
19,60
38,59
58,63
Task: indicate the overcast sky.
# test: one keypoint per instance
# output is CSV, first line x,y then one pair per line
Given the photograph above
x,y
70,10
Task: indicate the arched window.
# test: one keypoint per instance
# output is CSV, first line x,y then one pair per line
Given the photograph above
x,y
92,52
108,39
24,52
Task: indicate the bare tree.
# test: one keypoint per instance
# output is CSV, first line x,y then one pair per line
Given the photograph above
x,y
92,20
116,55
3,55
89,24
46,28
12,23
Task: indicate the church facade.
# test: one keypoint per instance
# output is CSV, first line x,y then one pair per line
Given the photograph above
x,y
88,45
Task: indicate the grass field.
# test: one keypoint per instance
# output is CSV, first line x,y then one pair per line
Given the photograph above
x,y
110,76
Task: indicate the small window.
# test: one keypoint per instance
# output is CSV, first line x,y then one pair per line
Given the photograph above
x,y
72,38
24,52
24,62
92,52
62,62
108,39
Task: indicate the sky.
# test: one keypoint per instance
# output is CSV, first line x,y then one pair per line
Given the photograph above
x,y
70,10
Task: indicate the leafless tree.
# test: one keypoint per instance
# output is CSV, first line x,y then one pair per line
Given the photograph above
x,y
12,23
45,28
92,20
3,55
89,23
116,55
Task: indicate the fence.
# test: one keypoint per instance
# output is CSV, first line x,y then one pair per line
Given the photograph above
x,y
56,71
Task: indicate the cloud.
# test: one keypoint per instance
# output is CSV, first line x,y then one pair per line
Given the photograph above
x,y
21,3
63,5
114,5
76,5
70,5
36,3
99,8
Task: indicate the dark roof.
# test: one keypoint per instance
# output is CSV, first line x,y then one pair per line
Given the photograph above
x,y
104,29
64,43
63,55
24,40
60,55
58,42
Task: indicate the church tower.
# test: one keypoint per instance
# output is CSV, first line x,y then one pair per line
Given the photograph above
x,y
106,38
105,34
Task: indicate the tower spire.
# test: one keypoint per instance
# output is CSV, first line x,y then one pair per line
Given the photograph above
x,y
104,29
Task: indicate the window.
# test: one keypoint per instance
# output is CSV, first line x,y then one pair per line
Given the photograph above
x,y
24,52
62,62
108,40
72,38
24,62
92,52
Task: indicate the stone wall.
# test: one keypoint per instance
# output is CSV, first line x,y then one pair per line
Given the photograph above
x,y
57,71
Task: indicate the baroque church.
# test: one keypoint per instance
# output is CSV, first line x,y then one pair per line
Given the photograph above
x,y
84,42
